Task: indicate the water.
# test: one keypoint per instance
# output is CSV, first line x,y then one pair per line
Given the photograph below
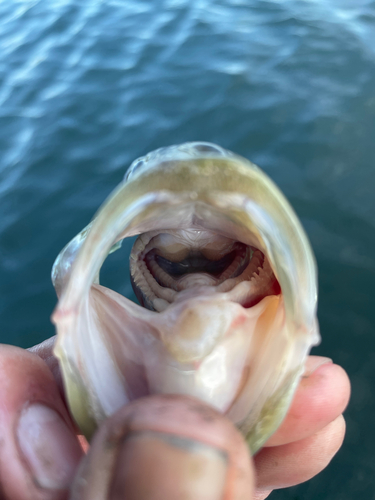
x,y
86,87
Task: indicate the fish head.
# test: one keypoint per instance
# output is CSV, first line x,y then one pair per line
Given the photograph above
x,y
226,281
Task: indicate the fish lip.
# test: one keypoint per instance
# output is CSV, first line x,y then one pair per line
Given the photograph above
x,y
179,152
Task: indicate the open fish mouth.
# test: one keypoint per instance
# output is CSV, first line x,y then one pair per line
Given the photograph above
x,y
170,266
226,282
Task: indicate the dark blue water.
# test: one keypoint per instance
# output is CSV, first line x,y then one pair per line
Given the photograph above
x,y
87,86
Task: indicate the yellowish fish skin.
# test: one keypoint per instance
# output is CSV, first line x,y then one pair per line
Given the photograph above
x,y
197,182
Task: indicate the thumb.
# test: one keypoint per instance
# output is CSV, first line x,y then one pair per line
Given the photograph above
x,y
163,448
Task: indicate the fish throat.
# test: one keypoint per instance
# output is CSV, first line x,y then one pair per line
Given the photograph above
x,y
172,265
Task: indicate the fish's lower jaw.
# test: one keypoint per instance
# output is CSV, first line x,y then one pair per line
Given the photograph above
x,y
208,348
258,427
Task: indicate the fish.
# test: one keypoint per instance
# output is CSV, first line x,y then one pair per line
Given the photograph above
x,y
227,287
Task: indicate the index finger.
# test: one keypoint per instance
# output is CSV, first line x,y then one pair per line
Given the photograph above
x,y
322,395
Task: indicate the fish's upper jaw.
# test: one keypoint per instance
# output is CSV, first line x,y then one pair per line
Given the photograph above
x,y
186,151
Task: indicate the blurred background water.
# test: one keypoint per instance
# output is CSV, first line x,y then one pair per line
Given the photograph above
x,y
87,86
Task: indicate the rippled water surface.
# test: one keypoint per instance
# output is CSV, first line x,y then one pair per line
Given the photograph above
x,y
88,86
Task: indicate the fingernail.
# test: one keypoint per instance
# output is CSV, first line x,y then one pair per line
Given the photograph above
x,y
313,363
172,466
48,446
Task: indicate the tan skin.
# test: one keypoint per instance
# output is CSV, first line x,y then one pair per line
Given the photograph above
x,y
160,447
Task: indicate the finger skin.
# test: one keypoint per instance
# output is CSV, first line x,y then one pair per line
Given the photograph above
x,y
319,399
294,463
173,415
45,351
25,380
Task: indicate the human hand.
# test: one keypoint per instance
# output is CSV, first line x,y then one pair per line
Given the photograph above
x,y
134,452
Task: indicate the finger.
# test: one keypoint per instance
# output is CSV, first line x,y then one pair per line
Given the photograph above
x,y
163,448
294,463
39,451
321,397
45,351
